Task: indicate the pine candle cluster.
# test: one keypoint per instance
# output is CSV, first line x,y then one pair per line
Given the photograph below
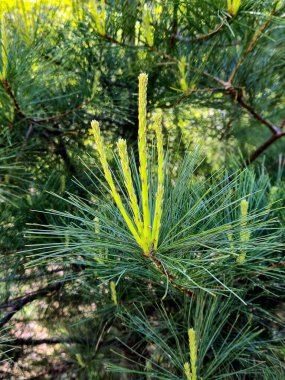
x,y
143,226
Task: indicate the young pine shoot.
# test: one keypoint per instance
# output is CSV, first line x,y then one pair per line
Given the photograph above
x,y
190,368
144,228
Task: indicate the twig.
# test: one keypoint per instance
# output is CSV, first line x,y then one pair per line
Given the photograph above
x,y
279,265
237,96
169,276
277,132
191,91
202,37
9,91
252,111
63,114
250,47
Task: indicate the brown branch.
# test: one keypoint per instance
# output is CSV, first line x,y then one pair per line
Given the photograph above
x,y
202,37
279,265
38,342
10,93
263,147
277,132
254,40
6,85
169,276
238,97
22,302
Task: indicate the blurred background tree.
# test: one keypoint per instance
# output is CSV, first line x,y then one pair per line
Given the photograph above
x,y
216,74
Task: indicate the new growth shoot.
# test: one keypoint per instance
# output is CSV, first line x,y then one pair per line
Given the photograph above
x,y
4,52
144,226
190,368
244,233
233,6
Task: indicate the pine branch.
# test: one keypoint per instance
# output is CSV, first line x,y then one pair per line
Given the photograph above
x,y
6,85
202,37
271,140
253,112
169,276
250,47
63,114
38,342
22,302
237,96
10,93
277,132
227,88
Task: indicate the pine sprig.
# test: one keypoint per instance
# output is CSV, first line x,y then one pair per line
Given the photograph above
x,y
145,232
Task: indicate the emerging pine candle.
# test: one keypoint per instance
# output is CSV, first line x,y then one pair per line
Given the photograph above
x,y
142,226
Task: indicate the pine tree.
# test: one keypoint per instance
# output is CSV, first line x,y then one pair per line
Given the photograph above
x,y
117,235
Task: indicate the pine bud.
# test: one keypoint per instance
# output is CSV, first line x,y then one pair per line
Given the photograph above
x,y
160,180
143,155
193,353
108,176
113,292
244,207
181,67
187,371
124,158
244,233
233,7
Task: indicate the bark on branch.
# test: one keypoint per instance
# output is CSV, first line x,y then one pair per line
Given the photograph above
x,y
250,47
38,342
22,302
10,93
